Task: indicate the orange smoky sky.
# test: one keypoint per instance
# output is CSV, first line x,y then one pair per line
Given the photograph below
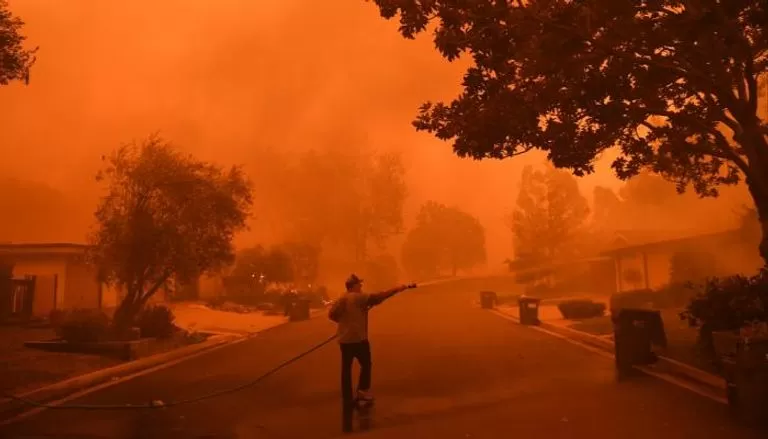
x,y
225,79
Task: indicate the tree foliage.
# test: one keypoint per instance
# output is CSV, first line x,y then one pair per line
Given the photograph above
x,y
305,260
15,59
264,265
165,215
607,209
380,272
444,239
550,216
672,83
347,198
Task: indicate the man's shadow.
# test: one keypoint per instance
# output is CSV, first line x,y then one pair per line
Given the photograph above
x,y
347,417
348,412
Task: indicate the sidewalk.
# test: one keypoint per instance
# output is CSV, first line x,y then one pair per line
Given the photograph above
x,y
198,317
601,338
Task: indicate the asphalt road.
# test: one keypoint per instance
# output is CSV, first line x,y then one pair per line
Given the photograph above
x,y
442,368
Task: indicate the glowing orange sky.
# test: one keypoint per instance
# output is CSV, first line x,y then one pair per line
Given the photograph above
x,y
225,78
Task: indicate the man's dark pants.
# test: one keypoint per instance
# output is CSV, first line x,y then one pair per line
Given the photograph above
x,y
349,352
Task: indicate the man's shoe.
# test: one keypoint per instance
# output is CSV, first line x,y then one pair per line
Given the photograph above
x,y
364,396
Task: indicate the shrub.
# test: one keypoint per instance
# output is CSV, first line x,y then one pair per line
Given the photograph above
x,y
156,321
643,298
81,325
581,309
728,304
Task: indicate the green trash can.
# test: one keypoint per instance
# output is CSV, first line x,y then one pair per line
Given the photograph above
x,y
300,310
487,299
529,310
635,332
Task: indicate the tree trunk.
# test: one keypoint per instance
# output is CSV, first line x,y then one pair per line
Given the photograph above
x,y
761,205
126,313
762,215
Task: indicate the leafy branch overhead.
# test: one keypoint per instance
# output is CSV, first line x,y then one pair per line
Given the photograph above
x,y
15,59
659,78
673,83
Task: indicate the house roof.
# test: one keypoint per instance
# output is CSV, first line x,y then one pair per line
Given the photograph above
x,y
707,238
40,249
548,266
632,237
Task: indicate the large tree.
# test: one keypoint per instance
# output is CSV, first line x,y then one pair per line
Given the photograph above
x,y
444,239
550,216
607,212
347,198
165,216
15,59
305,260
672,83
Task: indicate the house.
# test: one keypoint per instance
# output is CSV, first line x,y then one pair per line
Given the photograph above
x,y
593,274
648,265
63,279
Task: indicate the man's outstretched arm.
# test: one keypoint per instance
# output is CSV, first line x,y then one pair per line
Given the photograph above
x,y
377,298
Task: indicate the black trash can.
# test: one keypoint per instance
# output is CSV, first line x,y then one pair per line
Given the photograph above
x,y
487,299
746,375
635,332
529,310
289,301
300,310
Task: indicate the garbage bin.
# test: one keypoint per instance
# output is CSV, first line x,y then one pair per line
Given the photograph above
x,y
746,376
289,301
487,299
529,310
300,310
635,332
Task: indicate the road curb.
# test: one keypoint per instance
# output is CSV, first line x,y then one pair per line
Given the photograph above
x,y
709,383
10,408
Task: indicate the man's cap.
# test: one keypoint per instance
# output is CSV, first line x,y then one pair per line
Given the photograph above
x,y
352,281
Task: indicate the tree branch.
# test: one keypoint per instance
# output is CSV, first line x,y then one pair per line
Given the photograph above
x,y
751,79
722,150
155,287
650,60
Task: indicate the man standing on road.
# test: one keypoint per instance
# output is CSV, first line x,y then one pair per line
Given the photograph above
x,y
350,312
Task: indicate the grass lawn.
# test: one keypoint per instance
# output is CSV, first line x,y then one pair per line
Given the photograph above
x,y
681,339
25,368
